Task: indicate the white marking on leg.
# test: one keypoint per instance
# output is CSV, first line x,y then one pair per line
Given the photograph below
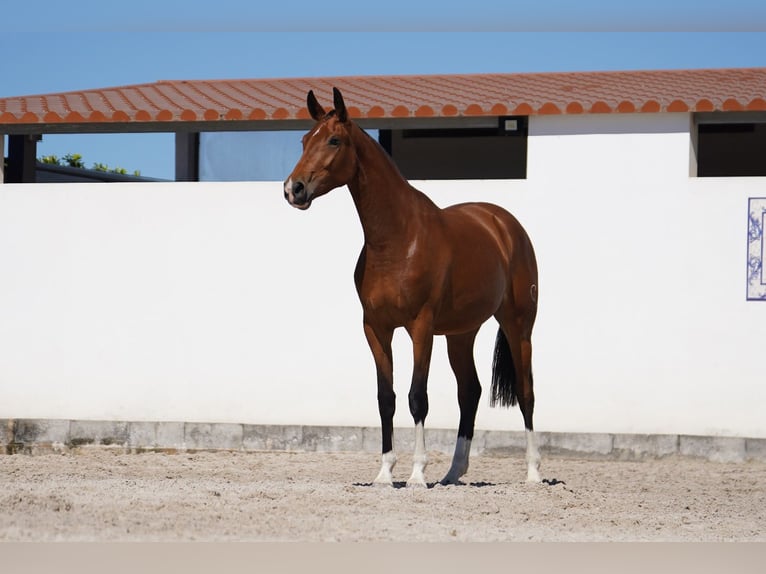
x,y
459,461
533,458
388,461
419,459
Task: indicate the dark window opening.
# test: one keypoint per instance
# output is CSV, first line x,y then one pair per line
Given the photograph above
x,y
731,150
461,153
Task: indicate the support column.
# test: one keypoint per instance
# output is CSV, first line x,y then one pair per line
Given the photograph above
x,y
22,158
2,159
693,143
187,156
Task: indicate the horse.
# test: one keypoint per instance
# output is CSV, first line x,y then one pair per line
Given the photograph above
x,y
432,271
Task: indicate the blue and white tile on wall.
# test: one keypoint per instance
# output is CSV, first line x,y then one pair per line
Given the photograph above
x,y
756,282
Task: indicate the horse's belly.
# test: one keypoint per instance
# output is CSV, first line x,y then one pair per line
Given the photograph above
x,y
464,319
466,309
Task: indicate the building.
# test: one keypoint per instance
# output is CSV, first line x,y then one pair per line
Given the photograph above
x,y
643,193
725,109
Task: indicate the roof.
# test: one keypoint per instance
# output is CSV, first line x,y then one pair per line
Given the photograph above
x,y
738,89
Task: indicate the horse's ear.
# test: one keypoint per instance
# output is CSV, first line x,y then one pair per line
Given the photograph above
x,y
315,110
340,105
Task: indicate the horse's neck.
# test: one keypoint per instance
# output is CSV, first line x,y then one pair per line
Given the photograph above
x,y
389,207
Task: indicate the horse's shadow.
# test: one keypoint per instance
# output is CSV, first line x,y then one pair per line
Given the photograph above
x,y
397,484
478,484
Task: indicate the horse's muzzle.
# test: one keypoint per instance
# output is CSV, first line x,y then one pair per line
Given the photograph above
x,y
296,194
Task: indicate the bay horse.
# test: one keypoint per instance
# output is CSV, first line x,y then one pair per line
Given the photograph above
x,y
432,271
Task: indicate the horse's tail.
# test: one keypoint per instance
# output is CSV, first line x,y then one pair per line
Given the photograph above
x,y
503,374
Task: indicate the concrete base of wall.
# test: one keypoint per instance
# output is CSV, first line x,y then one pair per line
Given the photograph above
x,y
36,436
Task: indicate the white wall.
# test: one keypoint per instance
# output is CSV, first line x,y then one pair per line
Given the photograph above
x,y
219,302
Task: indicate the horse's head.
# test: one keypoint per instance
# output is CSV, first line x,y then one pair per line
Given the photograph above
x,y
328,159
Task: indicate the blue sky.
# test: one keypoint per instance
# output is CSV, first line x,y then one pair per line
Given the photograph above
x,y
95,44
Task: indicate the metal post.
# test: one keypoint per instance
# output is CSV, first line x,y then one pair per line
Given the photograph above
x,y
187,156
22,158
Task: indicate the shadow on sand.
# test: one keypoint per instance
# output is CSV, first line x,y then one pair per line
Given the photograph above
x,y
479,484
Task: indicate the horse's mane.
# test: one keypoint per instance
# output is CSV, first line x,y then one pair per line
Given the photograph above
x,y
379,148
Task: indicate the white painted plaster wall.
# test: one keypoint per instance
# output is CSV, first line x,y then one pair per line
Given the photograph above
x,y
220,303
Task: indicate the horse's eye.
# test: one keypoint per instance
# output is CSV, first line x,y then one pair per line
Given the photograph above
x,y
333,141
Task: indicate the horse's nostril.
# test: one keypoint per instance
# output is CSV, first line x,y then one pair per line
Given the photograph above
x,y
298,188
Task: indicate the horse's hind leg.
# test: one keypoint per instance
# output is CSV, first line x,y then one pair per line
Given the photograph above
x,y
526,395
527,405
518,336
460,350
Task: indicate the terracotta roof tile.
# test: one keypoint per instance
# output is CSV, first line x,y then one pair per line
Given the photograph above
x,y
401,96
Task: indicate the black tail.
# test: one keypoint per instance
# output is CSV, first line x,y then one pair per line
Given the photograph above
x,y
503,374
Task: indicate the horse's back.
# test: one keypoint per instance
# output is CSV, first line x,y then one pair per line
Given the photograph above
x,y
502,225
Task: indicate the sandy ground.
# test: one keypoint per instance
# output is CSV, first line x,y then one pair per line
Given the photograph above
x,y
102,495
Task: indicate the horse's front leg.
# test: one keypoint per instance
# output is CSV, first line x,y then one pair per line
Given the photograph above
x,y
421,333
379,341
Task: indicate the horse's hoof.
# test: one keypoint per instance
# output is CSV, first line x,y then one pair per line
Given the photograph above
x,y
533,477
453,475
383,480
417,480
